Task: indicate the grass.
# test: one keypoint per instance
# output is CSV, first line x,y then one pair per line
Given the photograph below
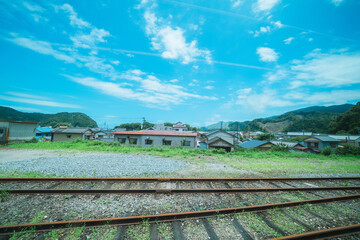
x,y
258,162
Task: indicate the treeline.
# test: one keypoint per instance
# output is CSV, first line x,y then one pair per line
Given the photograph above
x,y
348,122
75,119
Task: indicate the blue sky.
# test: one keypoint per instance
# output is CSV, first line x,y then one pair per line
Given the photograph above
x,y
169,60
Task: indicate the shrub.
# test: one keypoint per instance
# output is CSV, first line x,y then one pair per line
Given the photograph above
x,y
218,151
281,147
326,151
347,148
33,140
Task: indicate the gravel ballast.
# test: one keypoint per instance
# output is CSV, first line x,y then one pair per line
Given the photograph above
x,y
99,165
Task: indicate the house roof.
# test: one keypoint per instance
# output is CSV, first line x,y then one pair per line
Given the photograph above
x,y
217,139
300,133
157,133
323,138
18,122
252,144
210,133
345,137
70,130
43,129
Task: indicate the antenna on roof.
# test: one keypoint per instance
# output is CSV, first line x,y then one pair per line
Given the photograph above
x,y
143,124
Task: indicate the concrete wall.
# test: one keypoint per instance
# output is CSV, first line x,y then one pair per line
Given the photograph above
x,y
176,141
20,131
65,137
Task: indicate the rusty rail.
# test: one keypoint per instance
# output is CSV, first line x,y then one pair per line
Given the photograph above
x,y
330,232
163,217
178,179
169,191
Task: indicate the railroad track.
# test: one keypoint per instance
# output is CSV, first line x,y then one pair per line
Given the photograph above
x,y
343,192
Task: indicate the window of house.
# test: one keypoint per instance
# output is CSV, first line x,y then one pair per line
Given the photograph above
x,y
148,141
122,140
333,145
1,131
167,142
133,141
185,143
68,136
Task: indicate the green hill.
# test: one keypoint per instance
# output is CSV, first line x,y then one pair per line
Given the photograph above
x,y
76,119
347,122
310,119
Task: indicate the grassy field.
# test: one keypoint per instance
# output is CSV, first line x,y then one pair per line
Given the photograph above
x,y
262,162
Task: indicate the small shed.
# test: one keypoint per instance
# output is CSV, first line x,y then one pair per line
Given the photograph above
x,y
13,131
262,145
44,133
350,139
62,134
220,139
320,142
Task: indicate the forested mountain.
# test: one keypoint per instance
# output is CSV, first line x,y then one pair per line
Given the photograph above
x,y
348,122
76,119
310,119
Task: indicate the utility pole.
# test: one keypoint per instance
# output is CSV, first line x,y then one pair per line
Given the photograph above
x,y
143,124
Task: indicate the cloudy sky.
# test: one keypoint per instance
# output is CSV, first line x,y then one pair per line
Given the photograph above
x,y
194,61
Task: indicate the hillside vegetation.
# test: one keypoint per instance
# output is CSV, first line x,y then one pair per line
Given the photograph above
x,y
76,119
348,122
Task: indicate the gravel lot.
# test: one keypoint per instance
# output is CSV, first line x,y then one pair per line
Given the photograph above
x,y
73,164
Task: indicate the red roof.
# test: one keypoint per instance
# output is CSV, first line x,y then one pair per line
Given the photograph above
x,y
157,133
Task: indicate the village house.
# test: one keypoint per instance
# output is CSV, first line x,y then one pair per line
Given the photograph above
x,y
148,138
298,134
13,131
220,139
179,127
65,134
257,144
288,144
43,133
351,139
320,142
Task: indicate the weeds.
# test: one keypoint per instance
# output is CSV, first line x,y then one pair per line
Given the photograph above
x,y
3,195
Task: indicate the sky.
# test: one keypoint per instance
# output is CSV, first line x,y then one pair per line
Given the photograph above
x,y
196,61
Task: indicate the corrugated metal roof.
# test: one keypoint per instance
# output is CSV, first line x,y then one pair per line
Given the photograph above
x,y
70,130
324,138
252,144
300,133
289,144
344,137
43,129
157,133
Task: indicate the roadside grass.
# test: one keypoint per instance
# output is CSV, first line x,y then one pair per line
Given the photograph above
x,y
262,162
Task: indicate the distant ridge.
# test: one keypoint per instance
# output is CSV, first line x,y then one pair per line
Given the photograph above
x,y
312,119
76,119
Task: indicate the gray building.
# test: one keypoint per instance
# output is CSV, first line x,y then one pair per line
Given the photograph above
x,y
351,139
13,131
220,139
150,138
64,134
320,142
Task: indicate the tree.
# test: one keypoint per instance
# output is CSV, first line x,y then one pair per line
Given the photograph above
x,y
266,137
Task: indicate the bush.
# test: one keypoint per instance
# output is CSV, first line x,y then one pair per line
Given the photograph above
x,y
347,148
218,151
33,140
281,147
326,151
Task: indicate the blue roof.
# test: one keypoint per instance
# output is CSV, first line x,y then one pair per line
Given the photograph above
x,y
44,129
252,144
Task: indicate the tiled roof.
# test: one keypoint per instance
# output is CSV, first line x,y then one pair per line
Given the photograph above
x,y
157,133
324,139
345,137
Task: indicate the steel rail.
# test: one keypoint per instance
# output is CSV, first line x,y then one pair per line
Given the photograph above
x,y
178,179
169,191
330,232
8,229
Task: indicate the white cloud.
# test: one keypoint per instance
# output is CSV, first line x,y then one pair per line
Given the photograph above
x,y
150,90
261,31
39,102
209,87
265,5
115,62
337,2
24,108
288,40
174,80
259,102
33,7
74,20
278,24
236,3
332,97
310,39
171,41
17,94
41,47
267,54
